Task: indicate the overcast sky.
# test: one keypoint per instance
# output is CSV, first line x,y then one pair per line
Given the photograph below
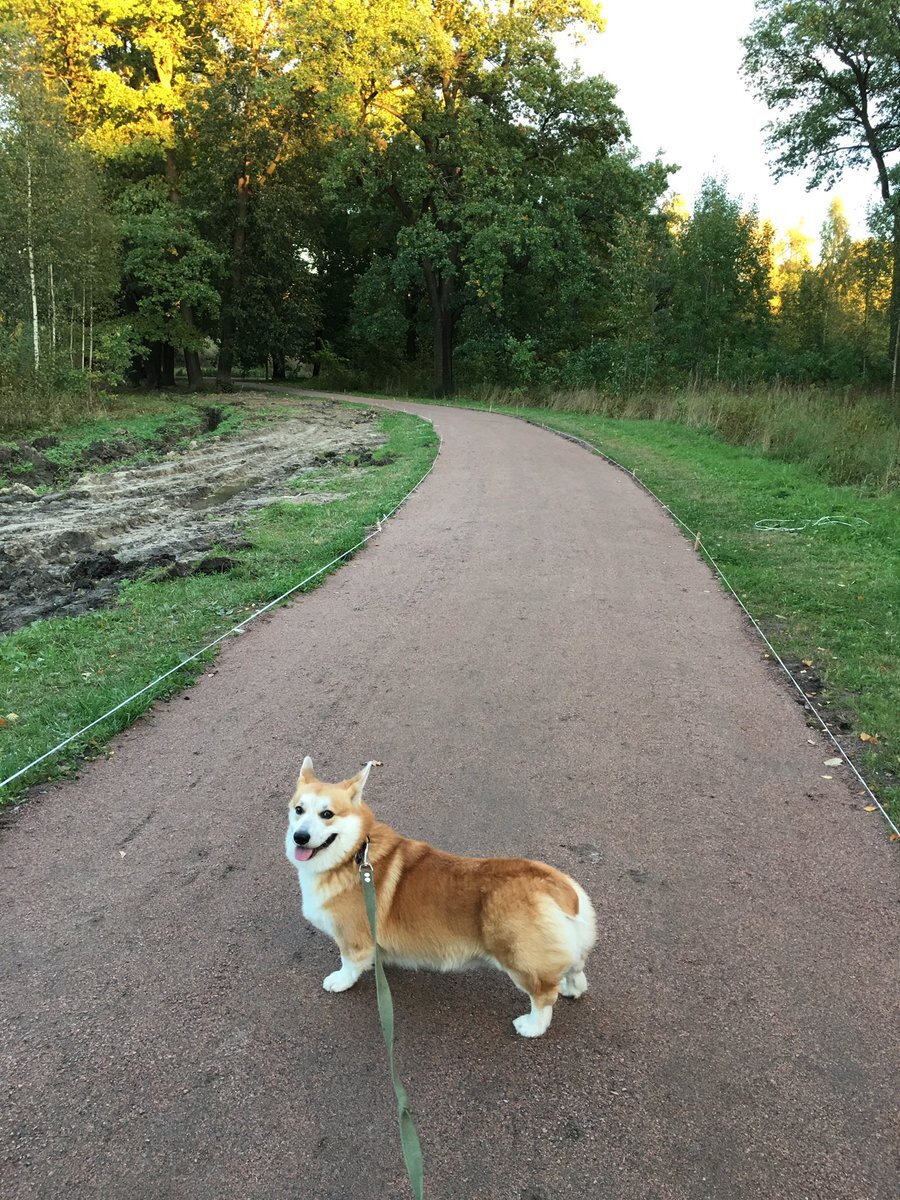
x,y
676,67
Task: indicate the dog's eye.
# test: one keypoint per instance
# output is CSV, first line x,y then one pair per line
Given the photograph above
x,y
299,811
326,815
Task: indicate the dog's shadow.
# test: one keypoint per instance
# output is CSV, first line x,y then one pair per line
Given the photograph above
x,y
471,1010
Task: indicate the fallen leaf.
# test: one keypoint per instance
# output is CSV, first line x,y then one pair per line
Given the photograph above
x,y
868,737
807,662
871,808
834,762
123,853
2,720
12,717
827,777
895,837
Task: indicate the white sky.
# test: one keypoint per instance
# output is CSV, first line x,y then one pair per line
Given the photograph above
x,y
676,66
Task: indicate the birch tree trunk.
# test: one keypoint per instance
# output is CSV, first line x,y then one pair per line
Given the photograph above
x,y
91,343
52,316
34,305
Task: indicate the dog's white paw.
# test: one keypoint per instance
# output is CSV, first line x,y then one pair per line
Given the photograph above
x,y
573,986
534,1023
339,981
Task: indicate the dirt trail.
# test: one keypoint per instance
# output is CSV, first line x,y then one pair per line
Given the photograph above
x,y
67,551
546,669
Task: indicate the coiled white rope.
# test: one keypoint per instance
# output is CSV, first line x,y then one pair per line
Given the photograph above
x,y
774,526
236,630
699,545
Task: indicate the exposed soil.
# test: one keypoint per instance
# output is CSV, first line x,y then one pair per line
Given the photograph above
x,y
67,552
26,466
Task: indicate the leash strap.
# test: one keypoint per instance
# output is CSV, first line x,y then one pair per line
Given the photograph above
x,y
409,1139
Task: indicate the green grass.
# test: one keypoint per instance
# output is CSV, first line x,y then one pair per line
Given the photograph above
x,y
842,439
58,675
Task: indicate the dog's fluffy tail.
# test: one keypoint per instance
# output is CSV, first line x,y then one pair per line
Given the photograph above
x,y
583,925
571,921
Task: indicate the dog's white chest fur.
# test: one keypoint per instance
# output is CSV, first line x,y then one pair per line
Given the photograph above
x,y
313,905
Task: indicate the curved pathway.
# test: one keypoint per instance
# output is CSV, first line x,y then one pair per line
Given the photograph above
x,y
546,669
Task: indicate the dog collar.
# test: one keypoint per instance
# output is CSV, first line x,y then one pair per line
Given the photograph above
x,y
362,854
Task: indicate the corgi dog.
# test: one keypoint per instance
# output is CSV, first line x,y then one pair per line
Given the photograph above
x,y
434,909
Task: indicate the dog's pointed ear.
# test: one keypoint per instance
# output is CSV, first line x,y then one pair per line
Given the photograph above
x,y
307,774
356,784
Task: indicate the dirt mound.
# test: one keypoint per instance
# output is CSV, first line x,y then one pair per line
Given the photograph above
x,y
67,552
25,465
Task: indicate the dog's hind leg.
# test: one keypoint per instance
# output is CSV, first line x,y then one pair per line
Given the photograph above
x,y
574,982
543,993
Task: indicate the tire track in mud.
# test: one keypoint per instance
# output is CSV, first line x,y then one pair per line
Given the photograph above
x,y
67,552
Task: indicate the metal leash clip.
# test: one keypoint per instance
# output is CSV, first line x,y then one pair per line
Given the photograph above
x,y
366,871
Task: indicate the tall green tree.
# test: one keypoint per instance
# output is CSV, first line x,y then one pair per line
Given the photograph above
x,y
131,71
721,295
455,84
638,280
830,69
59,249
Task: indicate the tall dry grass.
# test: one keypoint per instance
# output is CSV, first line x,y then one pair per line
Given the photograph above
x,y
843,439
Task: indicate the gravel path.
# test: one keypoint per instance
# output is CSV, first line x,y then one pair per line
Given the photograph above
x,y
546,669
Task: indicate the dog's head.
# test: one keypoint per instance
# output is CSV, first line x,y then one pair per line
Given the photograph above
x,y
326,821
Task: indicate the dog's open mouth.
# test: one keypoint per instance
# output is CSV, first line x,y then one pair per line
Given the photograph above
x,y
305,853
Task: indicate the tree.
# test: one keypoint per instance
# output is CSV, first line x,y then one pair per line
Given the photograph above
x,y
793,262
59,252
721,302
129,72
452,84
831,69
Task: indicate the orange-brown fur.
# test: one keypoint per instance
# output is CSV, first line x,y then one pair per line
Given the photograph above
x,y
443,910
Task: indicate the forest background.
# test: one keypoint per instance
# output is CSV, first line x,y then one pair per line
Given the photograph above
x,y
416,194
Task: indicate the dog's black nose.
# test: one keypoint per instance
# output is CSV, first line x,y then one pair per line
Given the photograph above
x,y
301,838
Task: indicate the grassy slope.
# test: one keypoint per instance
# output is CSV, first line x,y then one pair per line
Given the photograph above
x,y
58,675
830,595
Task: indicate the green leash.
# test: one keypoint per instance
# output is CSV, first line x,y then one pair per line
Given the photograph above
x,y
409,1139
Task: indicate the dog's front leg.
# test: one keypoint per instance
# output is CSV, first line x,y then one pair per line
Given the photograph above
x,y
352,966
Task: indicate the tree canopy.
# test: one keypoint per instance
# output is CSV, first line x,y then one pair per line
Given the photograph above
x,y
830,70
418,191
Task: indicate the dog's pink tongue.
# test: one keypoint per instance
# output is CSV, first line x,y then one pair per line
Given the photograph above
x,y
303,853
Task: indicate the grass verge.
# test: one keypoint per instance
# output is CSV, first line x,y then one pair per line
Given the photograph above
x,y
57,676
